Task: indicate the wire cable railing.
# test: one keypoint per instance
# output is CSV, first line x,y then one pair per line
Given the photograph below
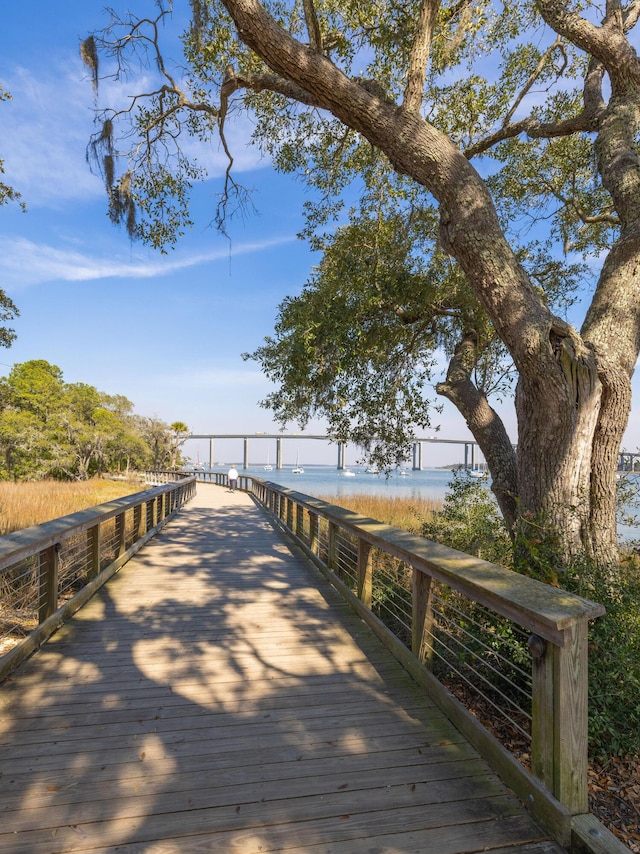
x,y
504,655
48,571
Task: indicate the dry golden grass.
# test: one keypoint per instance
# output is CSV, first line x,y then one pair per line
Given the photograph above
x,y
405,513
30,503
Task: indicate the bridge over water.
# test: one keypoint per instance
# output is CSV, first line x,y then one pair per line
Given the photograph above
x,y
227,686
627,461
249,439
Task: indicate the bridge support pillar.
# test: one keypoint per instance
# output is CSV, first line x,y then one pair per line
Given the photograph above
x,y
245,463
628,461
278,453
417,456
340,456
210,453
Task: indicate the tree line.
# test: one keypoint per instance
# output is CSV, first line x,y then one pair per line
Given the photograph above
x,y
73,431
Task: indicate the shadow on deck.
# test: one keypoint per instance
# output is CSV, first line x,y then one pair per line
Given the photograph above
x,y
217,695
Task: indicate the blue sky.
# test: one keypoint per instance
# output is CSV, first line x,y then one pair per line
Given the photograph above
x,y
165,331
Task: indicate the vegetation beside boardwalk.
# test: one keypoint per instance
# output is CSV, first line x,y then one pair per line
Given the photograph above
x,y
406,513
33,502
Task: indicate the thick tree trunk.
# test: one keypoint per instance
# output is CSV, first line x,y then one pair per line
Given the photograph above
x,y
558,406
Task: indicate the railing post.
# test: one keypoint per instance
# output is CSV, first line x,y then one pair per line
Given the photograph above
x,y
299,521
94,539
332,545
137,522
542,723
365,572
48,582
570,737
149,513
313,532
422,622
559,729
289,514
120,534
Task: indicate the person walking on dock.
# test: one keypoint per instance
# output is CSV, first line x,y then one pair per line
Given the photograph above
x,y
233,478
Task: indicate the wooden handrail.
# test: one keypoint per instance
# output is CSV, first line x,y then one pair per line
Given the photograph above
x,y
557,787
44,544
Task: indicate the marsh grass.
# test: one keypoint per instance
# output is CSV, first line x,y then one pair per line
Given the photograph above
x,y
31,503
409,514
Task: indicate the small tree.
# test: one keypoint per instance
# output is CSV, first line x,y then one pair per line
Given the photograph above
x,y
180,434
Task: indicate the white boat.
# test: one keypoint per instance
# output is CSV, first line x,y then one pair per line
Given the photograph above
x,y
477,472
298,468
268,466
372,470
348,473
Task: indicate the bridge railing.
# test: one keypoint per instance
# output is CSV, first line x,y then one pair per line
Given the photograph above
x,y
505,656
48,571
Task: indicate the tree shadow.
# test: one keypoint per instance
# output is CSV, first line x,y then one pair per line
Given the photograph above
x,y
217,695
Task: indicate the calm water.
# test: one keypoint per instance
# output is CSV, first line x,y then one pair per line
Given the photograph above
x,y
327,480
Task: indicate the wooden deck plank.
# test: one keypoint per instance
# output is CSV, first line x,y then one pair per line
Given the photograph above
x,y
217,695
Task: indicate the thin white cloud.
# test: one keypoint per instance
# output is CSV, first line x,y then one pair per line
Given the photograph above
x,y
26,263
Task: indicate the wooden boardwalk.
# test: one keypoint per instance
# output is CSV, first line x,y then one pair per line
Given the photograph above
x,y
218,696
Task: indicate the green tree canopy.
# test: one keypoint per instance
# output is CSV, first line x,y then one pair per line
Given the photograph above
x,y
49,428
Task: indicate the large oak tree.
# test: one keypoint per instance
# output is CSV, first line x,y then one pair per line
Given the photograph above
x,y
489,113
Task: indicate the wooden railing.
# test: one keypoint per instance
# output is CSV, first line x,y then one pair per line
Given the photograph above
x,y
429,604
218,477
48,571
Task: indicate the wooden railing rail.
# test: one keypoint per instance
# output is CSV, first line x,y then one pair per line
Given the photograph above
x,y
217,477
348,548
48,571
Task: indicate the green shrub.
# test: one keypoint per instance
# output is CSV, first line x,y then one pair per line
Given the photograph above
x,y
470,522
614,655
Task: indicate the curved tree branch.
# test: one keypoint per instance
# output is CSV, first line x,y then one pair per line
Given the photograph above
x,y
313,27
420,55
485,424
607,43
470,229
586,121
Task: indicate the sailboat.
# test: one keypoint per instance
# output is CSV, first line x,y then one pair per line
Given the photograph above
x,y
298,468
268,466
478,472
